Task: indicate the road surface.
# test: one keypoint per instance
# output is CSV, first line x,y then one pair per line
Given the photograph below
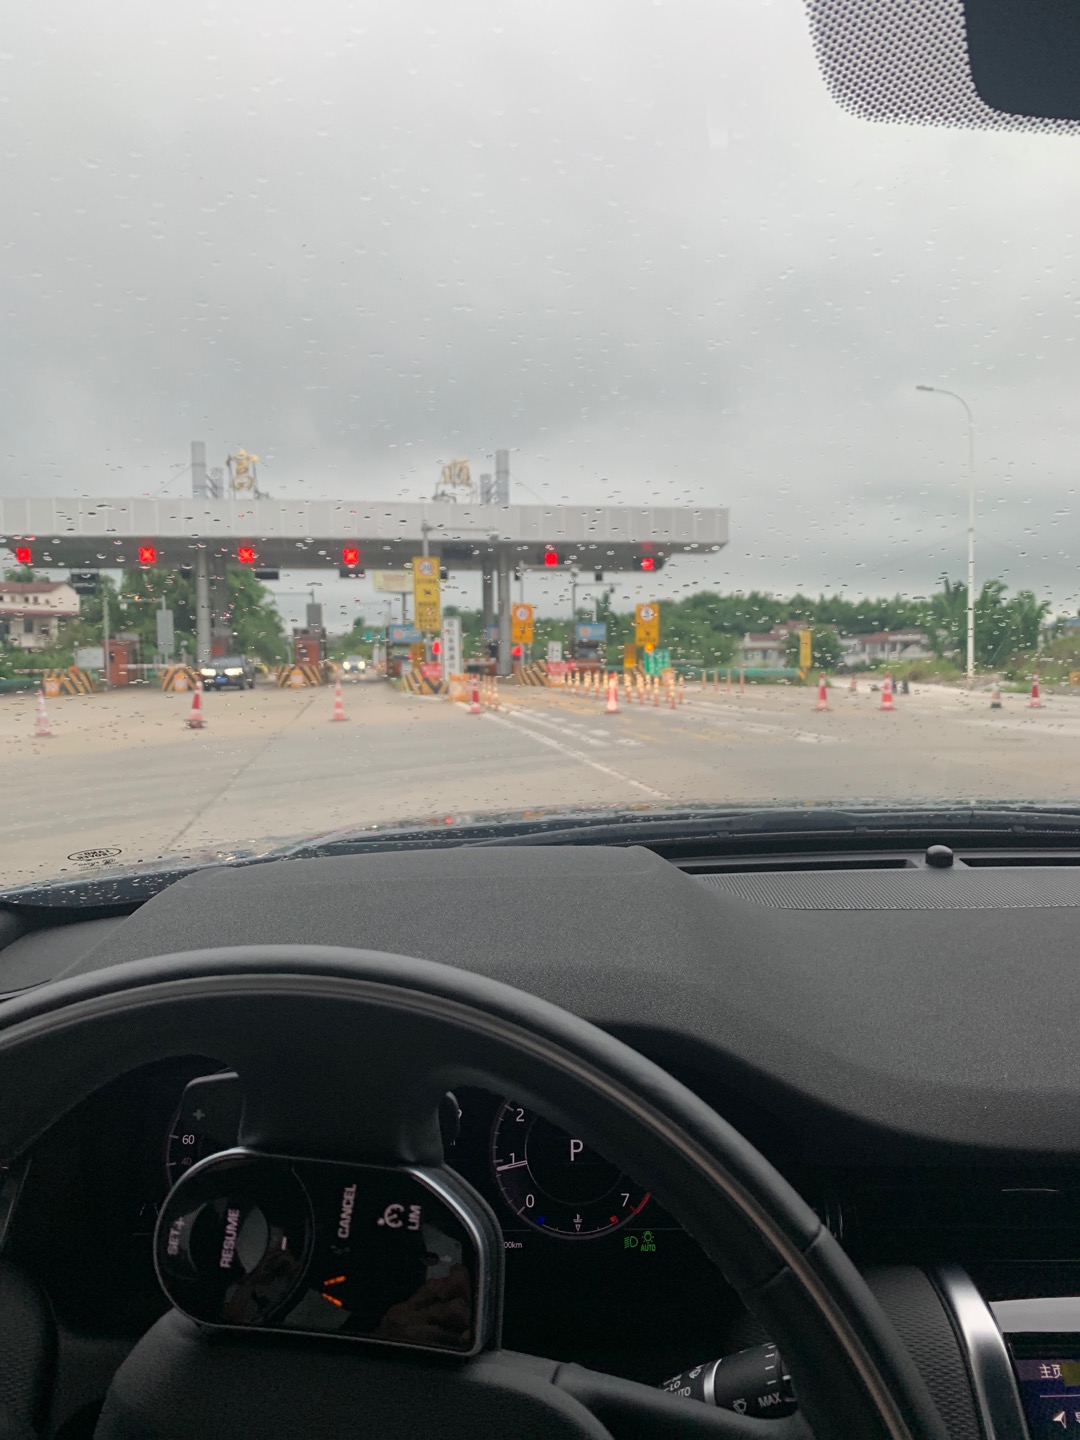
x,y
123,772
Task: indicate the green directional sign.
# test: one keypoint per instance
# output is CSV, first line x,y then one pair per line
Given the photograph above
x,y
657,662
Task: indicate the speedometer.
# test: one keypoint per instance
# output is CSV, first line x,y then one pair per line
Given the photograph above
x,y
555,1181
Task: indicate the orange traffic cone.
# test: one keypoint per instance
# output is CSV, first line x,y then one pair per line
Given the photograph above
x,y
474,708
42,728
656,690
822,694
682,690
612,706
195,718
1035,703
995,698
854,685
339,703
886,694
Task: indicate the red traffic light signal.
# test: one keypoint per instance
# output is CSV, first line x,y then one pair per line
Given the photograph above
x,y
24,555
350,556
551,558
646,563
245,554
436,649
515,652
147,554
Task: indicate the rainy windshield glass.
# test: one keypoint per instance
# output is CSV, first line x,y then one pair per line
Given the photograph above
x,y
584,368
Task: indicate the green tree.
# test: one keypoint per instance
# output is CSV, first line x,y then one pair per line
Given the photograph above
x,y
250,611
1003,627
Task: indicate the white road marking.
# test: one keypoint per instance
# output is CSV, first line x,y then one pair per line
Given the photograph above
x,y
576,755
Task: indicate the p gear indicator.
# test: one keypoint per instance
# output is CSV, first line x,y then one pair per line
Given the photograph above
x,y
557,1182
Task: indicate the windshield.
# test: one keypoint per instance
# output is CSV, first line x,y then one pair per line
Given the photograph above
x,y
638,415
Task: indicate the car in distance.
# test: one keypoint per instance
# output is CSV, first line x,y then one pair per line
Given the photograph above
x,y
226,672
353,667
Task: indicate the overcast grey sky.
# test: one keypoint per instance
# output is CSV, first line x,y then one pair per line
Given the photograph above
x,y
635,242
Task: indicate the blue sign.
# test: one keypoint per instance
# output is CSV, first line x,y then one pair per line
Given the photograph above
x,y
403,635
591,634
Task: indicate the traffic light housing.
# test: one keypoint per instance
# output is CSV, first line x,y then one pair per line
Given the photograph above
x,y
649,563
23,555
245,554
147,555
551,557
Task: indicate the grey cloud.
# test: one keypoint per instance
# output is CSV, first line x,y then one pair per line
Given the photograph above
x,y
634,241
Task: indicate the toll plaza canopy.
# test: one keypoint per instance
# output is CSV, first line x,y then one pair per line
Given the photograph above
x,y
210,535
90,534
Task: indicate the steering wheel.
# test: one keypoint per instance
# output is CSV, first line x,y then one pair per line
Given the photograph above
x,y
345,1056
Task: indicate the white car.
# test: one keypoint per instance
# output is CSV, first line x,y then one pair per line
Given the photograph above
x,y
353,667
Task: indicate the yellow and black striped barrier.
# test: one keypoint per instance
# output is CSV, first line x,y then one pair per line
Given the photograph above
x,y
417,684
68,682
295,677
178,678
534,674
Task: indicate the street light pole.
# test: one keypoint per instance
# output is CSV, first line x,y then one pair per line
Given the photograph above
x,y
934,390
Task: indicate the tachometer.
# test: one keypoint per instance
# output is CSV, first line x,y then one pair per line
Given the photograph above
x,y
555,1181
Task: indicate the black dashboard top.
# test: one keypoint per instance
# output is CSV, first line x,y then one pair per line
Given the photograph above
x,y
913,1033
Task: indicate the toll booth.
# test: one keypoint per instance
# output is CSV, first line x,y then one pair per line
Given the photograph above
x,y
400,640
590,640
120,658
309,647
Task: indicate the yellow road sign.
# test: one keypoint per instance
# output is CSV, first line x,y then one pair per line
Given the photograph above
x,y
647,625
521,624
629,657
427,605
806,639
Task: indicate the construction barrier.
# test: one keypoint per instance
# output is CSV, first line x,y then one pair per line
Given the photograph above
x,y
417,684
68,682
178,678
460,688
534,674
295,677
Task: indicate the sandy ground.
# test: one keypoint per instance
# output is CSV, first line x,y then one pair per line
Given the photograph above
x,y
123,773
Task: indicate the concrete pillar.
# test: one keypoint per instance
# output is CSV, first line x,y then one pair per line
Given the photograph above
x,y
487,604
505,602
202,607
220,624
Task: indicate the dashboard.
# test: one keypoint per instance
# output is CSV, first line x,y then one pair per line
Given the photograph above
x,y
910,1073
